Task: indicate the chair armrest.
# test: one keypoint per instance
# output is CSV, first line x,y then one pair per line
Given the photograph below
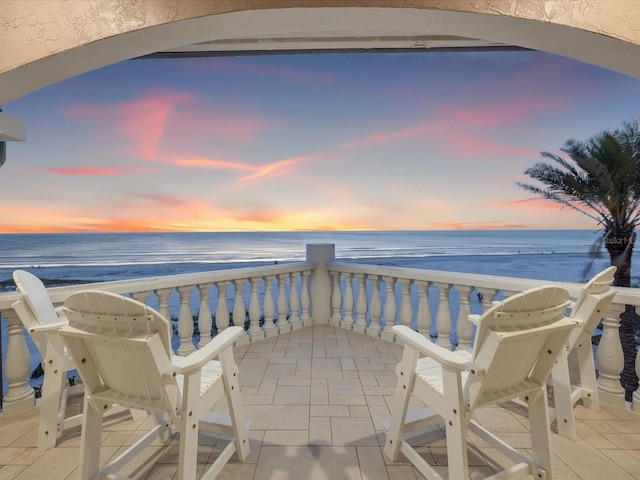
x,y
50,327
440,354
474,318
199,358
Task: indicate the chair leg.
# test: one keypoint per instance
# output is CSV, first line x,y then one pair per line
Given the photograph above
x,y
562,396
456,425
50,403
189,427
406,374
587,373
90,440
232,391
541,433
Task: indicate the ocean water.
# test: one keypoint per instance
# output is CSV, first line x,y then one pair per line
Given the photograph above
x,y
540,254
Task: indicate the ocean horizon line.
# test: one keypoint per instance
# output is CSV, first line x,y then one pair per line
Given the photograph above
x,y
244,232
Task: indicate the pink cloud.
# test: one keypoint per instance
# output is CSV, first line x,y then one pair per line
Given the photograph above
x,y
466,131
494,225
531,204
144,120
188,123
272,170
208,163
497,114
385,137
142,125
473,147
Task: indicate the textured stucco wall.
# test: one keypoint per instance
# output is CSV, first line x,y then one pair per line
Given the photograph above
x,y
50,36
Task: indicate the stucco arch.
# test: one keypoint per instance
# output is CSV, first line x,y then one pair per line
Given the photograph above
x,y
47,41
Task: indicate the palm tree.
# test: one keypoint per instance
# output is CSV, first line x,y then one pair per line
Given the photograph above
x,y
602,181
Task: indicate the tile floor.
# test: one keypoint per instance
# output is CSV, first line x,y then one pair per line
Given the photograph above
x,y
316,397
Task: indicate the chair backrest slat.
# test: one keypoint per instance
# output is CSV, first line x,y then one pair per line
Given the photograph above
x,y
126,343
515,338
590,307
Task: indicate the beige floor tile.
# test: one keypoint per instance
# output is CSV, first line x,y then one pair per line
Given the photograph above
x,y
251,371
237,471
54,463
353,431
276,417
319,395
629,461
294,381
9,472
23,434
257,399
587,462
590,432
345,386
401,472
325,364
286,437
386,378
627,441
7,454
371,462
347,400
329,411
294,394
280,371
320,431
303,364
308,463
268,386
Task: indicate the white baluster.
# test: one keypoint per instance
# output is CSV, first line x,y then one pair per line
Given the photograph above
x,y
336,300
443,317
294,303
163,302
464,327
239,310
487,296
389,309
141,297
270,329
205,322
423,317
20,396
375,307
255,332
282,325
305,300
222,309
347,321
406,312
610,358
185,322
361,318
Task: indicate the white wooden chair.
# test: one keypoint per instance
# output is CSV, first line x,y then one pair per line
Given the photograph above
x,y
124,357
594,299
517,343
42,321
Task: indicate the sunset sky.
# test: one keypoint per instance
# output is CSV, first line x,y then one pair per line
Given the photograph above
x,y
408,141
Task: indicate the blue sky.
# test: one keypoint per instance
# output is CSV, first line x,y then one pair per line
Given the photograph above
x,y
405,141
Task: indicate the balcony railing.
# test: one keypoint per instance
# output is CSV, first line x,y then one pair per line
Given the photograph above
x,y
365,298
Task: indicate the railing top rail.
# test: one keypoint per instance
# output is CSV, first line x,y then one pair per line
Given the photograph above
x,y
629,296
58,294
